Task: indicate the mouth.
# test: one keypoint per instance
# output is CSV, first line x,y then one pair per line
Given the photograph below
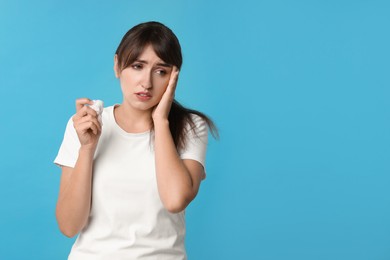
x,y
143,96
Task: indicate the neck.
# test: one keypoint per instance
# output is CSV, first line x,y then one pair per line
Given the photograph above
x,y
132,120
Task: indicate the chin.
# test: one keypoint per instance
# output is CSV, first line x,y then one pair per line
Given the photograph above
x,y
143,107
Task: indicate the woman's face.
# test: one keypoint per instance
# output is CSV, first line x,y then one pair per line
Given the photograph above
x,y
144,82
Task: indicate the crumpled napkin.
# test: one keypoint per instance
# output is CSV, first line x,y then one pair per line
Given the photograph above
x,y
98,107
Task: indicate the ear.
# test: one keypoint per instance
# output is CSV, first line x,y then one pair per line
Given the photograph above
x,y
116,67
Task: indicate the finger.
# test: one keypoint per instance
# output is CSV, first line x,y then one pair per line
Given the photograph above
x,y
174,76
81,102
170,91
85,110
86,126
89,118
90,126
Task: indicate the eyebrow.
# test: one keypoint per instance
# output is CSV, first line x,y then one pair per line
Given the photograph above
x,y
162,64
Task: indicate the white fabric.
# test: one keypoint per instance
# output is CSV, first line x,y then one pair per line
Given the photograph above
x,y
98,107
127,218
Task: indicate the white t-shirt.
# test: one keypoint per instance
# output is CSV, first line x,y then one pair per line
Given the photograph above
x,y
127,218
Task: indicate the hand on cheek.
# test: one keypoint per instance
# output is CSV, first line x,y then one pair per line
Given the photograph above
x,y
161,111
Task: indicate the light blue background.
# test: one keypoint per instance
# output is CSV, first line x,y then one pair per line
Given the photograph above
x,y
299,90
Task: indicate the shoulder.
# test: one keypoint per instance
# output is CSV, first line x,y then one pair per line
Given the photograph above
x,y
196,118
196,138
108,114
196,128
196,124
108,110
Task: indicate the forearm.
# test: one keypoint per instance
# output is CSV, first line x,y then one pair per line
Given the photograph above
x,y
173,179
74,201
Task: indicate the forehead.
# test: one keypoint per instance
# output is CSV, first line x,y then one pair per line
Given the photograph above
x,y
149,55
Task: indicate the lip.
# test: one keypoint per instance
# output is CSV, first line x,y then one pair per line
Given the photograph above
x,y
143,96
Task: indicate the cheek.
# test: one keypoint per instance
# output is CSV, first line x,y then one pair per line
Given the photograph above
x,y
166,81
160,85
126,81
160,92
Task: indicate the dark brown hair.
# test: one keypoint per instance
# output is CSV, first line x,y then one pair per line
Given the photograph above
x,y
167,47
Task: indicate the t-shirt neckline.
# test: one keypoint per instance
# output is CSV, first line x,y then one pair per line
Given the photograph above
x,y
120,129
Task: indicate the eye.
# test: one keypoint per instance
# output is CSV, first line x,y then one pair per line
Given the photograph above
x,y
161,72
137,66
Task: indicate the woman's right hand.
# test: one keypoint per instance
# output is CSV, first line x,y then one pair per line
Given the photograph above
x,y
86,123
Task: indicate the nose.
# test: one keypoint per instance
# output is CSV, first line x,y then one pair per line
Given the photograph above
x,y
147,80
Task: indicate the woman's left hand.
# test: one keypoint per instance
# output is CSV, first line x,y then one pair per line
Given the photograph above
x,y
161,111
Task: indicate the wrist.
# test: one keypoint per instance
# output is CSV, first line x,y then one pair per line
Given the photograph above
x,y
87,149
160,122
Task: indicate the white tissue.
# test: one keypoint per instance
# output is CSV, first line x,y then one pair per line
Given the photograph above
x,y
98,107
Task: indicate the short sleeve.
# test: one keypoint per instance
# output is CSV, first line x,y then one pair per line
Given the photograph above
x,y
68,152
196,141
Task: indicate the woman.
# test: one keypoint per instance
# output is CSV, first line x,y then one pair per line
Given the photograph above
x,y
125,183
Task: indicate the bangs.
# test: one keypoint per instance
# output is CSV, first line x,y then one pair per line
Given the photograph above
x,y
163,51
130,53
163,41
